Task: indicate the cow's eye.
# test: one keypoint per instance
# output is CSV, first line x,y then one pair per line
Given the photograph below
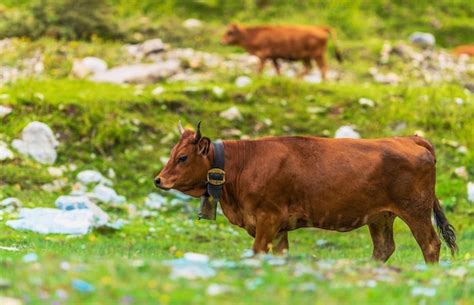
x,y
182,159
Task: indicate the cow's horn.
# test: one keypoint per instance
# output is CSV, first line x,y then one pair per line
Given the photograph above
x,y
180,128
197,135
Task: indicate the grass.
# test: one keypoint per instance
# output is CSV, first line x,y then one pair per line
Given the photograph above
x,y
128,129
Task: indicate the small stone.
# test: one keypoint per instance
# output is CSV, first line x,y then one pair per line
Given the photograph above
x,y
461,172
192,23
82,286
55,171
423,291
158,90
218,91
470,191
4,111
217,289
5,152
366,102
423,40
347,132
243,81
30,258
231,114
10,301
459,101
38,142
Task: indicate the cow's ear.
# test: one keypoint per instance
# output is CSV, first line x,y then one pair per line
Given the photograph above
x,y
203,146
235,27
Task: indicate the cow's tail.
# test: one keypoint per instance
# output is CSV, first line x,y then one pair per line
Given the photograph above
x,y
337,52
444,227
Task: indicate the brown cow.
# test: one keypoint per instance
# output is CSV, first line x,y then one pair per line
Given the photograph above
x,y
276,42
278,184
464,49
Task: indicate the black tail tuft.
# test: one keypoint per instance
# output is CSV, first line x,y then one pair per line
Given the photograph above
x,y
338,55
446,230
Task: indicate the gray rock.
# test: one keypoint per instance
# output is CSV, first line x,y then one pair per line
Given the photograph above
x,y
423,40
139,73
37,141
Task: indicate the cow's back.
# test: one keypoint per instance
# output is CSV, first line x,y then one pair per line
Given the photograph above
x,y
287,42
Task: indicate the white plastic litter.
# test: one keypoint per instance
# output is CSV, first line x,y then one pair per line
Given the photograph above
x,y
5,152
243,81
231,114
38,142
106,194
347,132
4,111
470,191
54,221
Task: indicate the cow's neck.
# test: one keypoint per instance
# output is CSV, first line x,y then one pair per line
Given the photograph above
x,y
234,163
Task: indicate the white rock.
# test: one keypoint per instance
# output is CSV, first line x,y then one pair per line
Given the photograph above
x,y
366,102
423,39
10,202
155,201
423,291
470,191
4,111
139,73
10,301
461,172
231,114
152,46
243,81
217,289
38,142
88,65
5,152
218,91
158,90
69,203
347,132
196,257
54,221
106,194
55,171
314,78
459,101
89,176
192,23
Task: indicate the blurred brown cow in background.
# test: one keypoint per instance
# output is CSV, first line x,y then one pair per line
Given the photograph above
x,y
288,42
464,49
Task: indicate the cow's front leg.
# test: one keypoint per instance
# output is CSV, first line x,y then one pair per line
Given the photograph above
x,y
280,243
266,231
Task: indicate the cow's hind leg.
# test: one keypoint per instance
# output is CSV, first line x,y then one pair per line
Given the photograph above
x,y
321,61
307,67
280,243
276,65
261,64
381,231
424,233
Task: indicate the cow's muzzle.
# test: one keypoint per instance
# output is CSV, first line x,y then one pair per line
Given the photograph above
x,y
159,183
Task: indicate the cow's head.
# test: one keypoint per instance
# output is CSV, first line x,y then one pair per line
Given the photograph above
x,y
233,34
189,162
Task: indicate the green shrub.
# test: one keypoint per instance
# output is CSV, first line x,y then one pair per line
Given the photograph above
x,y
62,19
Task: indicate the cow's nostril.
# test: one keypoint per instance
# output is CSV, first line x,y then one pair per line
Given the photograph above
x,y
157,182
